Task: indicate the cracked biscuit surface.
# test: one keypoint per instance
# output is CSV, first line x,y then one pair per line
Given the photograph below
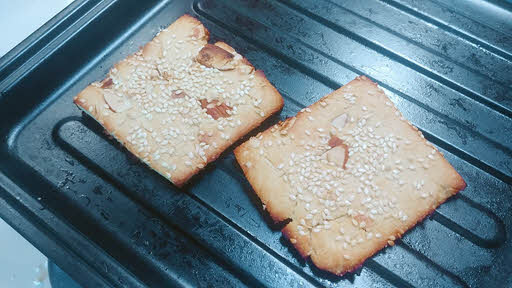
x,y
179,101
349,173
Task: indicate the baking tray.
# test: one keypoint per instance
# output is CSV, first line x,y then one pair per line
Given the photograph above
x,y
108,220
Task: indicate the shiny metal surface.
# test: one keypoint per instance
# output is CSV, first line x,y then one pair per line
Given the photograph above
x,y
447,68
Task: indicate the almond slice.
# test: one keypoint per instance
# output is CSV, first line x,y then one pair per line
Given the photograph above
x,y
106,83
340,121
287,125
245,67
335,141
116,103
215,57
338,154
215,109
199,32
176,95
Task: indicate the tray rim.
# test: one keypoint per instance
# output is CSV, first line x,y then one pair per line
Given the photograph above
x,y
14,202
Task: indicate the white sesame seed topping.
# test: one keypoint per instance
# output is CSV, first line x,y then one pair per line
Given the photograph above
x,y
316,183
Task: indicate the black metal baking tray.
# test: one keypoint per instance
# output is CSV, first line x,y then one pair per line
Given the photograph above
x,y
110,221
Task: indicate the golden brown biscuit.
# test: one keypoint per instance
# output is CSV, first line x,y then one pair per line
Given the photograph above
x,y
179,101
350,173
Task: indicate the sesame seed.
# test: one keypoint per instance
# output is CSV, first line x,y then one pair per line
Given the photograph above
x,y
314,183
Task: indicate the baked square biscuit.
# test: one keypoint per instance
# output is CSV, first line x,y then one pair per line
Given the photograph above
x,y
349,173
179,101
